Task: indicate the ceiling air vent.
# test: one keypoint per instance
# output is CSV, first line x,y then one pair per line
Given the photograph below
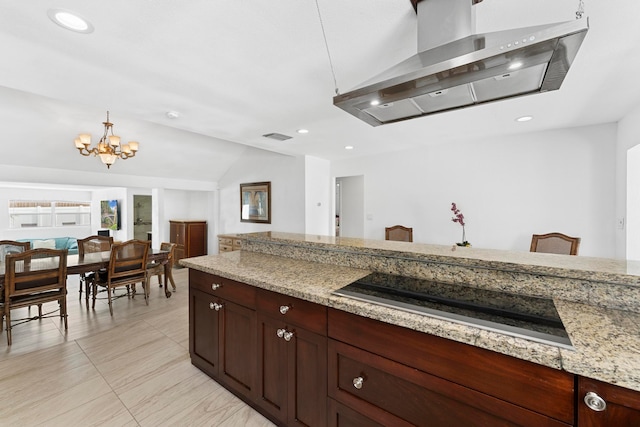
x,y
277,136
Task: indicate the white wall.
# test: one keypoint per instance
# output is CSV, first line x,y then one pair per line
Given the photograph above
x,y
508,188
287,177
318,213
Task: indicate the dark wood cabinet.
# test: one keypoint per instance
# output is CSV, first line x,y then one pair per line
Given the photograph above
x,y
302,364
222,330
397,376
190,238
621,406
292,365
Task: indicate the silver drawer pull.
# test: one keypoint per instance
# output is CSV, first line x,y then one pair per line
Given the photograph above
x,y
288,336
357,382
284,309
215,306
280,333
595,402
215,286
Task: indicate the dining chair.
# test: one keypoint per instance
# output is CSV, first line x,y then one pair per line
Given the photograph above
x,y
35,277
157,268
398,233
555,243
9,247
127,266
88,245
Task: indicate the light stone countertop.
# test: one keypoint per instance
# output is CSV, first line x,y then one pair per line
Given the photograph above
x,y
606,341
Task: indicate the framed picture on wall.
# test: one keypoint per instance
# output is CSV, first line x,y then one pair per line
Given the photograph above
x,y
255,202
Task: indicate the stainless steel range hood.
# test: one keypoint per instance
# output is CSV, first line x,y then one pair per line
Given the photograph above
x,y
456,68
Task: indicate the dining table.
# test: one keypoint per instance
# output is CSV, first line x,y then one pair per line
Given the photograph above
x,y
97,260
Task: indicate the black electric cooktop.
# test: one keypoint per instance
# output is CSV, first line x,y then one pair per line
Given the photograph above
x,y
522,316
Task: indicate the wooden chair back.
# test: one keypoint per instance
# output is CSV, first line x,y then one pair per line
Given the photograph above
x,y
128,262
34,277
170,247
12,247
398,233
94,244
555,243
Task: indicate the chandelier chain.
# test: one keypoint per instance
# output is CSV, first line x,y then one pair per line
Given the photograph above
x,y
580,10
326,45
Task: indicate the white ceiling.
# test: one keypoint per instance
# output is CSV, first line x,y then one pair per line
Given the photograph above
x,y
237,69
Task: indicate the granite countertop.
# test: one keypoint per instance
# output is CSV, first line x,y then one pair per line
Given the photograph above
x,y
578,267
606,341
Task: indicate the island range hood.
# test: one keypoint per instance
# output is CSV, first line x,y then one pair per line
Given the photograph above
x,y
457,68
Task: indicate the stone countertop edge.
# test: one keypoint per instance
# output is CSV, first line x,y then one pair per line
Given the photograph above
x,y
606,342
607,270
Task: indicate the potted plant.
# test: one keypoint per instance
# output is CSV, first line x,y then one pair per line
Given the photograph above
x,y
459,218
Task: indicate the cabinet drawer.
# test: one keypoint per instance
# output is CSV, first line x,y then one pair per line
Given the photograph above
x,y
237,244
538,388
225,248
297,312
377,386
224,288
225,241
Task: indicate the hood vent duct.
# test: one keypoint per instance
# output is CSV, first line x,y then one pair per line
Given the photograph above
x,y
457,68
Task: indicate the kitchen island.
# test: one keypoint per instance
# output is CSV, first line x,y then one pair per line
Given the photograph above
x,y
598,300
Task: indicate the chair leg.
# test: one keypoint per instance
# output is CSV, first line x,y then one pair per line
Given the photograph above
x,y
170,276
86,290
8,314
95,291
63,311
109,297
40,311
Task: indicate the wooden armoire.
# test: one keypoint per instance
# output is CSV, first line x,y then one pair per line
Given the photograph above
x,y
190,237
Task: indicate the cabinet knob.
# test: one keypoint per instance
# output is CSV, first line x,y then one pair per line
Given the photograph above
x,y
215,306
288,335
595,402
357,382
215,286
280,333
284,309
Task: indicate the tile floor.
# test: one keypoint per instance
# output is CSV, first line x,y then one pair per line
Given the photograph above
x,y
132,369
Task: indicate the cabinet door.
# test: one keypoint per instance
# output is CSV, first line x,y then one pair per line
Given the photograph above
x,y
292,373
204,331
195,243
272,368
238,347
177,232
622,405
307,378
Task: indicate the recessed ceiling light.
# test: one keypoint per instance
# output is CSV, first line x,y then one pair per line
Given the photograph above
x,y
348,147
515,65
173,114
375,102
70,21
524,118
303,130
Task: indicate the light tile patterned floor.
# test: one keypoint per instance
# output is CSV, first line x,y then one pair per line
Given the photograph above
x,y
132,369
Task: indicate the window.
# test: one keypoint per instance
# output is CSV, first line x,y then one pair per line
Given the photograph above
x,y
46,213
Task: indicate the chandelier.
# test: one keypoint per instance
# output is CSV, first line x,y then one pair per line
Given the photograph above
x,y
108,148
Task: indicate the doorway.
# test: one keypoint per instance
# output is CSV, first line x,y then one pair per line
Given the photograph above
x,y
350,206
142,217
